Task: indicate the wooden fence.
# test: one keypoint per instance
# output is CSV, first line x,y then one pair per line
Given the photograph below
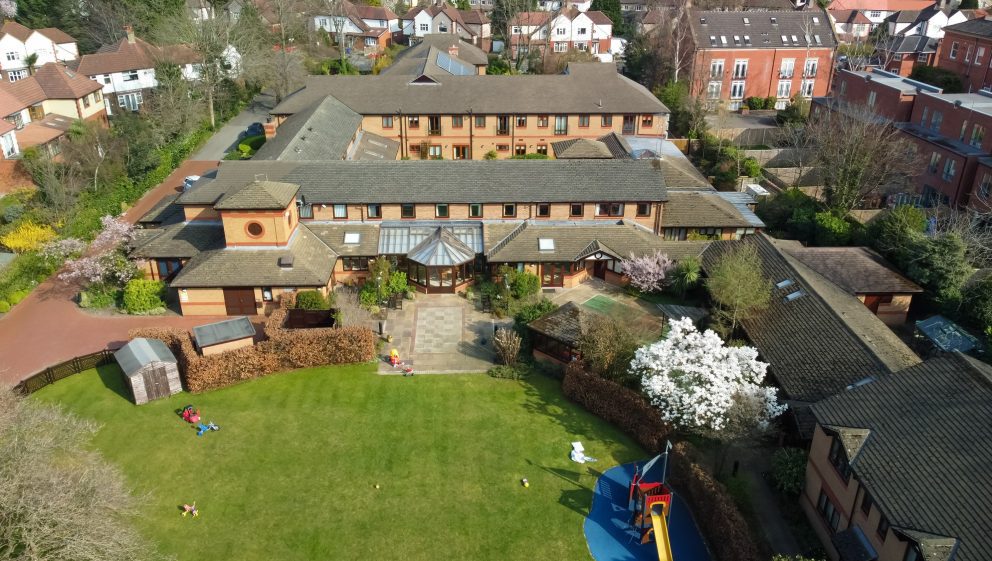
x,y
63,370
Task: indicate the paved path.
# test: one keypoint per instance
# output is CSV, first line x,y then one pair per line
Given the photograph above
x,y
226,139
171,186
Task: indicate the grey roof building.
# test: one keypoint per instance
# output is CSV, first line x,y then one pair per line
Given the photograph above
x,y
773,29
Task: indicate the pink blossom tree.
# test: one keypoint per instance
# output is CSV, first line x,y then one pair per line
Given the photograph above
x,y
106,259
648,273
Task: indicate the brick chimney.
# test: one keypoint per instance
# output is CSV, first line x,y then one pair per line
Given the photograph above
x,y
453,49
270,129
130,33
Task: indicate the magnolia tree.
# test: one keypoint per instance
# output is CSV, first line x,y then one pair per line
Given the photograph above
x,y
106,259
8,8
648,273
703,386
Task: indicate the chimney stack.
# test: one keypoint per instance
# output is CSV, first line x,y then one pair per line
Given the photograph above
x,y
130,33
453,49
270,129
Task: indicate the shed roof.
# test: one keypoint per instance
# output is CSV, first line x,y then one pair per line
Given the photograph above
x,y
321,132
566,324
141,352
702,208
858,270
223,332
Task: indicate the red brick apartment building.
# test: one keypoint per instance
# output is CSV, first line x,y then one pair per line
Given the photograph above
x,y
966,50
950,132
775,53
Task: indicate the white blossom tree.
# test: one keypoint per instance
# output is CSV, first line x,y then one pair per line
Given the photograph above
x,y
701,385
648,273
8,8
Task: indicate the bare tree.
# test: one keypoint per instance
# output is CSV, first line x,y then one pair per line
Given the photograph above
x,y
277,62
799,142
859,154
95,152
972,226
58,183
58,498
675,36
172,108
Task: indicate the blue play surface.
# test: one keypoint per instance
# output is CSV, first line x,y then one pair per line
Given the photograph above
x,y
610,538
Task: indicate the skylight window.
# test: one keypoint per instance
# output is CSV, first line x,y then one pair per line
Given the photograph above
x,y
816,20
774,21
785,39
723,40
817,39
737,40
747,21
546,244
794,295
795,39
352,237
702,21
747,40
712,40
785,283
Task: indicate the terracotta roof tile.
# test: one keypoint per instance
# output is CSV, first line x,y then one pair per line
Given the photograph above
x,y
44,131
17,30
57,35
57,82
138,55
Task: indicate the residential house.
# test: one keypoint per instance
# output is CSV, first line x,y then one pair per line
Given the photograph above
x,y
862,273
897,469
903,53
775,53
370,28
17,42
559,5
854,19
471,26
851,25
948,131
435,105
590,32
257,229
966,50
42,106
126,69
928,22
817,336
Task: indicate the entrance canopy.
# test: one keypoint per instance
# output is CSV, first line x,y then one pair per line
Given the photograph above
x,y
441,249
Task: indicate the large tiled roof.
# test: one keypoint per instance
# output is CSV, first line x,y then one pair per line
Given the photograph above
x,y
820,342
16,30
165,211
136,55
37,133
976,27
57,35
774,29
313,262
432,181
573,241
859,270
926,458
323,131
584,88
260,195
50,81
910,44
333,234
178,240
374,12
580,149
701,208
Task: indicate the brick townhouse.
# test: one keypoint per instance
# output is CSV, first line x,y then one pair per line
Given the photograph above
x,y
966,50
571,29
950,132
433,104
896,469
775,53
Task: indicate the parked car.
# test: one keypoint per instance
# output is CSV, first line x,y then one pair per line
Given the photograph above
x,y
254,129
189,181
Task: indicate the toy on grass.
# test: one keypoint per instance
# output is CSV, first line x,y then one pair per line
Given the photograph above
x,y
394,358
205,428
190,509
524,482
408,371
190,415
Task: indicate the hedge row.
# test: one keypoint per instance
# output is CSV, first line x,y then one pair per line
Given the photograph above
x,y
284,350
725,528
618,405
723,525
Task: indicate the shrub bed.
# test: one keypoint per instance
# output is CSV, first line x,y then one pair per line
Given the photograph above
x,y
143,296
721,522
623,407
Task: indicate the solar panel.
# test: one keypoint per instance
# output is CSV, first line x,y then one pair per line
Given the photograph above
x,y
455,67
783,284
794,295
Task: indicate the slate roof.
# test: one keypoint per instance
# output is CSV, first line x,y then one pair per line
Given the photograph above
x,y
566,324
332,234
974,27
858,270
579,239
165,211
822,341
926,429
617,145
910,44
179,240
323,131
580,148
701,208
432,181
584,88
764,30
260,195
313,262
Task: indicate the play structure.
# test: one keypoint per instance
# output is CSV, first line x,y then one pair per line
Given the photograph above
x,y
395,362
650,501
191,415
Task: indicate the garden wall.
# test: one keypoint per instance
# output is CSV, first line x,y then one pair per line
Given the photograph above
x,y
283,350
723,525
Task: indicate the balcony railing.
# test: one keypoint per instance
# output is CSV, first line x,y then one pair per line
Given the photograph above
x,y
740,75
562,131
502,131
785,75
809,73
434,132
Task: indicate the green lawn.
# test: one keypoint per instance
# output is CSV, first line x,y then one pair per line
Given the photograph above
x,y
291,473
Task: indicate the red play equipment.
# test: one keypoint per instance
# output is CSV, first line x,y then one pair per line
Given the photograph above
x,y
191,415
650,499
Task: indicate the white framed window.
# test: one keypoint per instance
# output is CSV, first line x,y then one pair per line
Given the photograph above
x,y
967,55
370,42
713,90
716,68
954,50
788,68
425,27
922,57
582,46
106,79
934,162
560,31
871,99
561,46
806,88
130,101
130,75
9,144
340,211
977,136
323,22
737,89
516,30
874,14
810,67
784,89
740,69
949,170
16,75
979,54
582,31
11,56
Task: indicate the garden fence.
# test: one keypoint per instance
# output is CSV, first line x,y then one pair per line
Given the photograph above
x,y
63,370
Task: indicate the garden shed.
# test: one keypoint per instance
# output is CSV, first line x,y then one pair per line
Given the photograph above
x,y
150,368
227,335
556,335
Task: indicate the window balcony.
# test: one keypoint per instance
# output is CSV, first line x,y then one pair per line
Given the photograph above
x,y
740,75
502,131
785,75
434,132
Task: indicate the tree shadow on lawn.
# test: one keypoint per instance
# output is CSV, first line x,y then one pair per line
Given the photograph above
x,y
543,398
113,380
578,500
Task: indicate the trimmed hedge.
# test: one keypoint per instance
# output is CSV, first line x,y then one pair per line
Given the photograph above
x,y
723,525
283,350
618,405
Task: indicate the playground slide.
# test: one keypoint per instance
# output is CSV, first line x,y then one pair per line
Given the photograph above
x,y
660,524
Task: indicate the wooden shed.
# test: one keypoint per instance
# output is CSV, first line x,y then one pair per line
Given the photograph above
x,y
150,368
227,335
556,335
